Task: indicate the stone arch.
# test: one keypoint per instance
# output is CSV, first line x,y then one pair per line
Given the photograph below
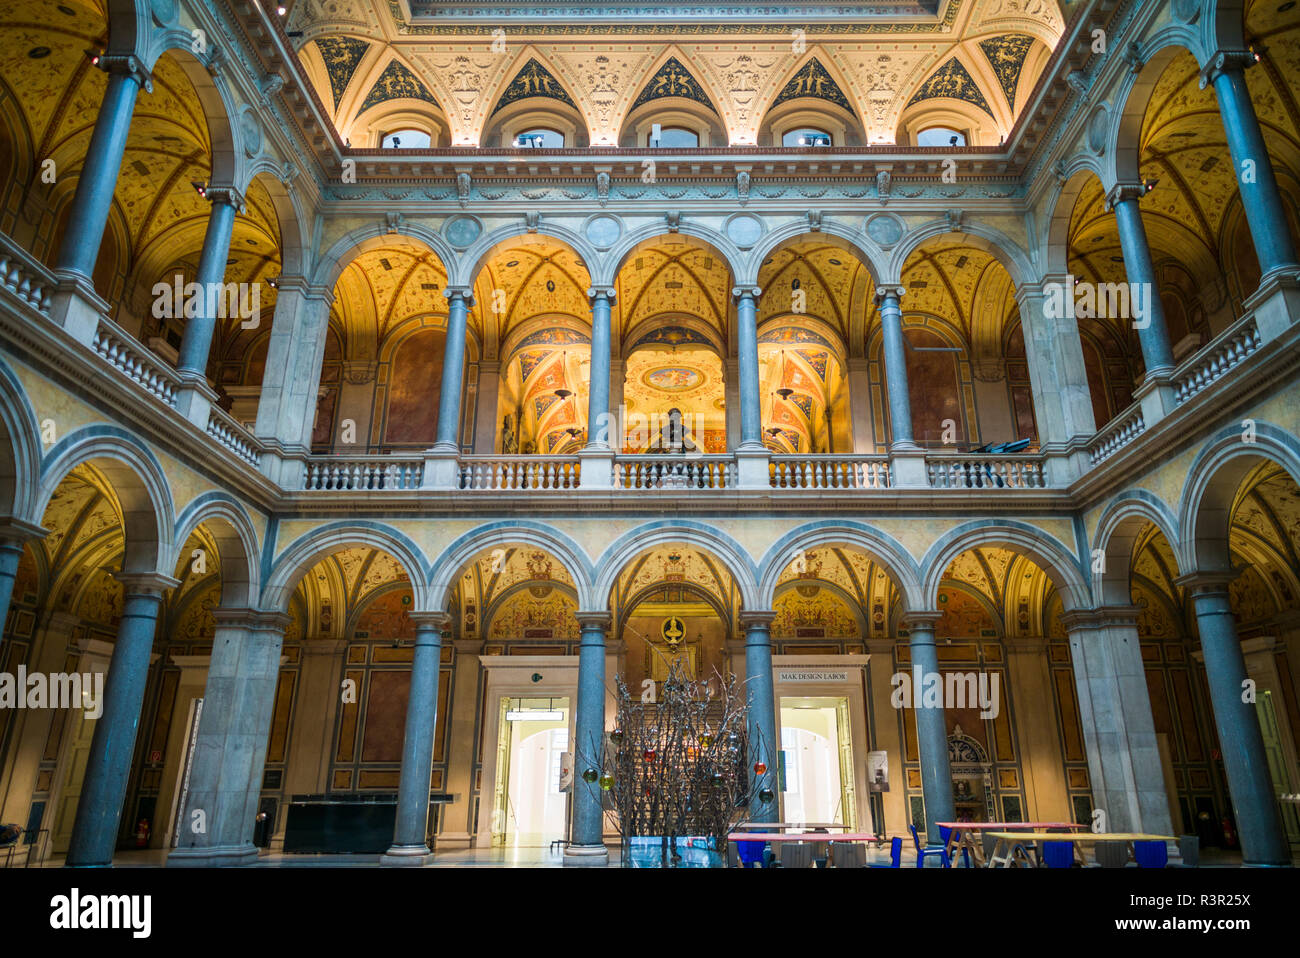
x,y
220,107
1213,481
142,490
453,559
329,267
1221,26
1055,239
468,266
1121,522
237,546
303,553
1048,552
668,531
852,241
129,29
1001,247
892,556
289,211
605,271
20,449
1124,155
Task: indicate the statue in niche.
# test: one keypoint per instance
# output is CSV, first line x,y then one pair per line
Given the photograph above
x,y
509,440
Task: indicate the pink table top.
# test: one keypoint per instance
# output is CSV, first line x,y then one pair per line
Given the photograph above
x,y
801,837
1007,826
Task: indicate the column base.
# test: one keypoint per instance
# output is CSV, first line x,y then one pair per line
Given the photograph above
x,y
456,840
194,401
76,306
597,467
753,464
217,856
442,467
586,856
907,467
1276,304
406,856
1156,394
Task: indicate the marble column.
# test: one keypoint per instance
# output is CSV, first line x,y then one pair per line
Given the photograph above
x,y
1153,334
585,845
751,417
14,534
598,430
931,727
196,343
764,744
230,750
99,808
894,348
487,418
453,370
1260,197
1254,805
1119,733
409,843
455,821
858,383
75,305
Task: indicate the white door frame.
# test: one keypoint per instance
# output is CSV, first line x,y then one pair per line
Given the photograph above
x,y
511,676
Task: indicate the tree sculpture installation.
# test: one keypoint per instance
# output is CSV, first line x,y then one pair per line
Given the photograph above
x,y
677,767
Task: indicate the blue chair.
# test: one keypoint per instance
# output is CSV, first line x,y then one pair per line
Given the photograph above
x,y
750,853
1151,854
895,854
922,852
1057,854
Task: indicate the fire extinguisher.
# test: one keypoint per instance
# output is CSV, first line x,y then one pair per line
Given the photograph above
x,y
1229,836
142,834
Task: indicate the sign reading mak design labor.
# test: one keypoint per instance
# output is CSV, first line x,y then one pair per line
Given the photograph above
x,y
812,674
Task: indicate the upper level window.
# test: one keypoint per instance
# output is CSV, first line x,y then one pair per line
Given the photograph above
x,y
406,140
672,137
940,136
540,139
806,136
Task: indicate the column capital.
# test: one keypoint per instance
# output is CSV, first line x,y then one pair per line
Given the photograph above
x,y
146,583
1208,581
923,619
1126,191
1077,619
465,293
19,531
254,620
740,292
471,647
1226,61
126,64
226,196
602,292
884,292
757,619
440,621
301,286
594,620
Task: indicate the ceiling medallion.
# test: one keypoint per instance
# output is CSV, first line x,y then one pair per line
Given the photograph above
x,y
673,379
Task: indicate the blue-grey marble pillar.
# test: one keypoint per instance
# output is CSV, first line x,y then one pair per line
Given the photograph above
x,y
99,809
598,395
1265,210
1153,334
764,745
1254,805
895,354
199,329
585,844
98,179
11,553
931,727
751,415
453,370
409,844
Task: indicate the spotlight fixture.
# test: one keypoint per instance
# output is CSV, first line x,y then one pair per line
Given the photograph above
x,y
281,9
1149,185
200,187
94,56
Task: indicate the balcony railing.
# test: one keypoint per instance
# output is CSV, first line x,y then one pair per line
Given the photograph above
x,y
231,434
830,472
1117,434
519,473
25,277
674,472
121,351
985,472
342,473
1229,349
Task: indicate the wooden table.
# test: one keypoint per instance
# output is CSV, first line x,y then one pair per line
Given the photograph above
x,y
1078,839
962,834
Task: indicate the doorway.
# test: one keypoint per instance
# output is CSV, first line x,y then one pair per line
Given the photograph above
x,y
531,796
817,745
